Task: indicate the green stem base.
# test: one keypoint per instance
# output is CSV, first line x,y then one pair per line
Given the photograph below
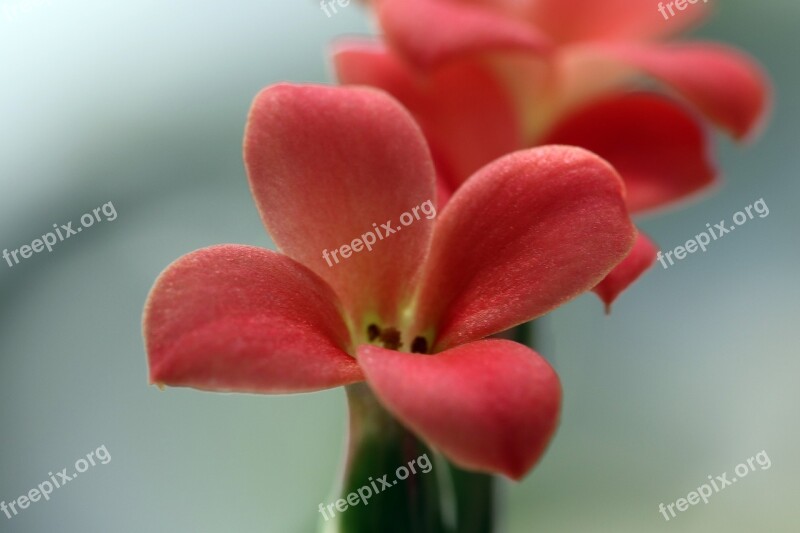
x,y
438,498
445,499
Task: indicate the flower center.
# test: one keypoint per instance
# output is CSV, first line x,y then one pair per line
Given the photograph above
x,y
391,339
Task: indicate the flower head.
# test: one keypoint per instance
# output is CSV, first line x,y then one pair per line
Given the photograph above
x,y
409,316
488,77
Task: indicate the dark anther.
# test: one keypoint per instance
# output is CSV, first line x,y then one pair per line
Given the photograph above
x,y
373,332
390,338
420,345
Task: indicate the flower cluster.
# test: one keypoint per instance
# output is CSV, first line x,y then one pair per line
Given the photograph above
x,y
487,77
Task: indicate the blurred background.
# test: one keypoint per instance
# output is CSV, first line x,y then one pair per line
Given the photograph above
x,y
143,104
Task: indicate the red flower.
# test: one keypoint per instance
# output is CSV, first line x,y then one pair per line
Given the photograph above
x,y
528,232
487,77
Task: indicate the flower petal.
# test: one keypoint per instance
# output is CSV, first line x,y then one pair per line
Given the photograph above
x,y
658,148
245,319
640,258
327,166
724,83
490,406
468,118
588,20
429,33
525,234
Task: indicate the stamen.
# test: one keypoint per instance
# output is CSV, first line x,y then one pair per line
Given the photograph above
x,y
373,332
420,345
390,337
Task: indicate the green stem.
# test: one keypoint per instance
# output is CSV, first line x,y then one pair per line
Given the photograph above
x,y
475,493
379,446
475,501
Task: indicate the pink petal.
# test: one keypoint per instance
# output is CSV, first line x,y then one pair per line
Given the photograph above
x,y
590,20
330,165
443,191
657,146
245,319
524,235
490,406
467,116
640,258
431,32
725,84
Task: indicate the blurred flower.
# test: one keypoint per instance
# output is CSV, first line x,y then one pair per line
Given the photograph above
x,y
528,232
487,77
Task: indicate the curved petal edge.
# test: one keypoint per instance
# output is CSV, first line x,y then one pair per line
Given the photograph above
x,y
638,261
429,33
491,406
524,235
235,318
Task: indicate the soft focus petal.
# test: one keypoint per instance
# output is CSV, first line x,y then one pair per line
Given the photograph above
x,y
489,405
468,118
330,165
534,88
657,147
525,234
429,33
443,191
584,75
640,258
245,319
724,84
588,20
